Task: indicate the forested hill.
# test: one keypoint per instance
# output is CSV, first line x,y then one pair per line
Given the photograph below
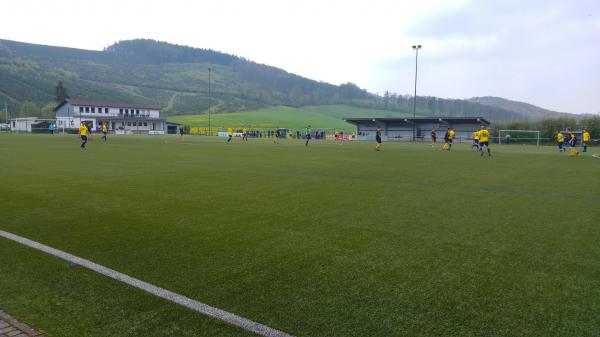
x,y
176,78
530,110
146,71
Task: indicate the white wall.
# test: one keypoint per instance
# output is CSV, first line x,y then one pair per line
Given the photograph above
x,y
115,112
22,124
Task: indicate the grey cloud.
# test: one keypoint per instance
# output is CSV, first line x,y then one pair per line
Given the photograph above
x,y
544,52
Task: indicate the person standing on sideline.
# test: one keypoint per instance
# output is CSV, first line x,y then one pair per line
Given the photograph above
x,y
181,133
586,139
229,134
104,131
433,137
560,139
378,139
307,132
484,140
83,132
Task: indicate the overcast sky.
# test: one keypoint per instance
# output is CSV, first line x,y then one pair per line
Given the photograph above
x,y
545,52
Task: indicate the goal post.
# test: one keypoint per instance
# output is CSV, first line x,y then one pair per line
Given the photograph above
x,y
519,137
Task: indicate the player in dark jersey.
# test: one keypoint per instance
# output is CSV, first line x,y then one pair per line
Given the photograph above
x,y
277,136
307,132
378,139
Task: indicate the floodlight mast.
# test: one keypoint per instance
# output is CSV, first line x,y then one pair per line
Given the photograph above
x,y
209,99
416,49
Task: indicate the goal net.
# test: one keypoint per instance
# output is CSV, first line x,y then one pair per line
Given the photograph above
x,y
531,137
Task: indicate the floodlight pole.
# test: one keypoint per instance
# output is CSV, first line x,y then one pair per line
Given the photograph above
x,y
416,49
209,99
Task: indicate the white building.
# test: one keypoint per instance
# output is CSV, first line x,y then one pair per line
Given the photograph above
x,y
119,117
28,124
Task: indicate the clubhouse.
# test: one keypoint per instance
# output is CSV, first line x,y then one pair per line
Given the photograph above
x,y
119,117
402,128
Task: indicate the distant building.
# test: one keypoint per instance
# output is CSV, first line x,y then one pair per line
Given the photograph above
x,y
28,124
402,128
119,117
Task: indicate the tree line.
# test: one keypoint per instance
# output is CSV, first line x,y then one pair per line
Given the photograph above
x,y
549,126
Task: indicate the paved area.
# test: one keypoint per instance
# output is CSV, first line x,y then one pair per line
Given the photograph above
x,y
10,327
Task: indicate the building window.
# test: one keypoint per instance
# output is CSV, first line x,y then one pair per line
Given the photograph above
x,y
145,123
137,112
87,109
128,123
120,111
80,109
105,110
134,124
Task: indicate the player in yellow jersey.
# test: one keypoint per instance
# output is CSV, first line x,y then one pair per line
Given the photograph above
x,y
484,140
586,139
229,134
83,132
244,134
378,139
449,137
104,131
572,138
560,140
476,139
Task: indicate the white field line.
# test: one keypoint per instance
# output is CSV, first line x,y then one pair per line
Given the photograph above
x,y
596,156
200,307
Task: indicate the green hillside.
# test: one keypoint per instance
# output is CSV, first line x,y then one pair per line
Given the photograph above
x,y
328,116
519,107
151,72
177,78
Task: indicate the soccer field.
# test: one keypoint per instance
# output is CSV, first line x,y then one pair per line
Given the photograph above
x,y
325,240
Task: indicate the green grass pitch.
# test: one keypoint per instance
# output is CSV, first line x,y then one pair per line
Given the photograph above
x,y
329,240
325,116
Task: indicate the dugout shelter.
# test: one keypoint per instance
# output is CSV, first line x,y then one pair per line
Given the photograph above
x,y
402,128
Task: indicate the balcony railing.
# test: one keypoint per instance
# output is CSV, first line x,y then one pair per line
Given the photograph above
x,y
118,116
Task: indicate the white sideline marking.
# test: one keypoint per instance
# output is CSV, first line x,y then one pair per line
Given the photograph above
x,y
596,156
200,307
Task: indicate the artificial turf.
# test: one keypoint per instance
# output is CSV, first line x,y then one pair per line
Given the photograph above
x,y
329,240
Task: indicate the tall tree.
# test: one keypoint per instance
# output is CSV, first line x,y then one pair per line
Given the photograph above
x,y
60,92
29,109
386,98
48,110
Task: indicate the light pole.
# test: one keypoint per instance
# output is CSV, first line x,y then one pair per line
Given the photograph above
x,y
416,49
209,99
